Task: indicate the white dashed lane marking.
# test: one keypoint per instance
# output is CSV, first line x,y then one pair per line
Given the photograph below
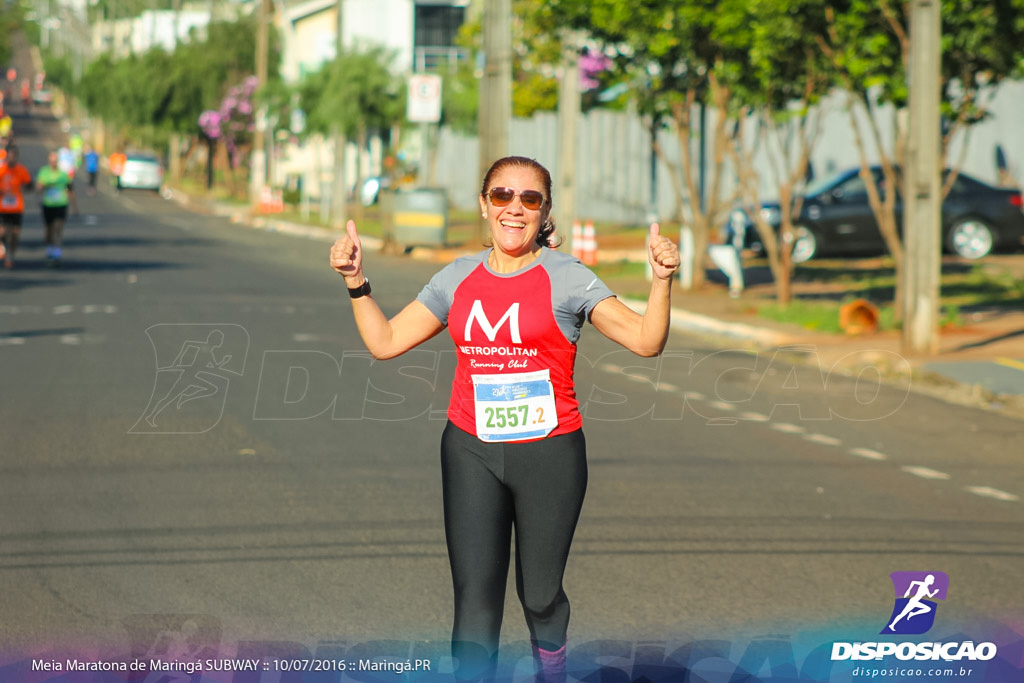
x,y
989,492
823,439
868,453
15,310
787,428
924,472
62,309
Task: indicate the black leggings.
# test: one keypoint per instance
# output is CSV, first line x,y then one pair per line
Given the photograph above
x,y
537,488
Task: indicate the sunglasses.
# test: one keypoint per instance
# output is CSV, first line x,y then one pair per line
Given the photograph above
x,y
503,196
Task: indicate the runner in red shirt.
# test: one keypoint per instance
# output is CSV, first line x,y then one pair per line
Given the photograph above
x,y
15,179
513,456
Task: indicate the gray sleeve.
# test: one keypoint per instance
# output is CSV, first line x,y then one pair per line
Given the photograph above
x,y
439,293
586,289
575,292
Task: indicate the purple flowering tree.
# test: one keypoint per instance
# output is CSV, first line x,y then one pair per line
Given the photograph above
x,y
591,65
232,124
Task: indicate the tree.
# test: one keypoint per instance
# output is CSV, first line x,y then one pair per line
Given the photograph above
x,y
536,52
868,42
232,123
12,21
775,98
669,53
357,91
157,95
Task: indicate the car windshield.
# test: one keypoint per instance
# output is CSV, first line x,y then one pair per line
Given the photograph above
x,y
143,158
816,187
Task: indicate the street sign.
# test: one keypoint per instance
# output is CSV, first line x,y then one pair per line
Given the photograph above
x,y
424,101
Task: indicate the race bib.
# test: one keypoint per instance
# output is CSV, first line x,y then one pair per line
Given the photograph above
x,y
514,406
52,194
9,201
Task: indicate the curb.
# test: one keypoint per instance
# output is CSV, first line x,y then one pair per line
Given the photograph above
x,y
247,219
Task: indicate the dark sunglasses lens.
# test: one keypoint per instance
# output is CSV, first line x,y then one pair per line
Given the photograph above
x,y
531,200
502,196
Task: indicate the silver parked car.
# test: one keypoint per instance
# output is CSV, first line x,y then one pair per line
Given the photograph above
x,y
141,172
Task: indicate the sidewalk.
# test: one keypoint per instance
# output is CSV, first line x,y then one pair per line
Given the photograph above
x,y
980,364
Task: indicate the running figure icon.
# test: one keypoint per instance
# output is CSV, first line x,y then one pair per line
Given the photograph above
x,y
915,606
195,360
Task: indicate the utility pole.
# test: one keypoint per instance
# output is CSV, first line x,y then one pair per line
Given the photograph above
x,y
495,113
569,101
258,166
339,205
922,183
176,10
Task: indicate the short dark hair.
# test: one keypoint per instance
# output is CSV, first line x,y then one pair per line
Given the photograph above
x,y
546,237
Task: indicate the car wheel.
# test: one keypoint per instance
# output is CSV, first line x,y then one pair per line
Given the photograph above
x,y
805,244
971,238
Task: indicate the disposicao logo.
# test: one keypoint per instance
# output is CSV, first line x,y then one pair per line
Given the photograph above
x,y
916,593
913,614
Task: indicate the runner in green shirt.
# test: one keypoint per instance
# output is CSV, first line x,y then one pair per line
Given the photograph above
x,y
55,187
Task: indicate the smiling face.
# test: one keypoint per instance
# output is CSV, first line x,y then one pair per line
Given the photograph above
x,y
514,228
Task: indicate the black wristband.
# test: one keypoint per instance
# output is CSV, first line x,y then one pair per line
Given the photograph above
x,y
360,291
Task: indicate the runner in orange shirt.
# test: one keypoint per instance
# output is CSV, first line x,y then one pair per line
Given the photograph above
x,y
117,160
15,179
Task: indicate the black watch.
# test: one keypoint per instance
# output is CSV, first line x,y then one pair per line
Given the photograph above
x,y
360,291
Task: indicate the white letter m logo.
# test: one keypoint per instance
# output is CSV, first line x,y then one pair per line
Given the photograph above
x,y
477,313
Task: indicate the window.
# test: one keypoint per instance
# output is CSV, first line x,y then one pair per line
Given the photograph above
x,y
437,25
853,189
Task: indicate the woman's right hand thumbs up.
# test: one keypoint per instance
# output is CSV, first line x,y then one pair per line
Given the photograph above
x,y
347,256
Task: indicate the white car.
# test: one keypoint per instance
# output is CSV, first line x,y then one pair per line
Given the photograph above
x,y
42,96
141,172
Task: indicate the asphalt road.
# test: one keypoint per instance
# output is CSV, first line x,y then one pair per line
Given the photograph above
x,y
196,443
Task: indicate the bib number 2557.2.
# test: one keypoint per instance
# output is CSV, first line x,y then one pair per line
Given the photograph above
x,y
514,406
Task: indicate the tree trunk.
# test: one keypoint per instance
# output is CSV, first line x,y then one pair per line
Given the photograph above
x,y
211,149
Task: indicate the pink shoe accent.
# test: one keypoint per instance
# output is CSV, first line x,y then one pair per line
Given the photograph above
x,y
550,665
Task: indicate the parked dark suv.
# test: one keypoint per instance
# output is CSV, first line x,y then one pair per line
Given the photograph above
x,y
836,219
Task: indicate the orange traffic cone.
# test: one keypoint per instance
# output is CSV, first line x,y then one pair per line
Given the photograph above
x,y
577,240
589,244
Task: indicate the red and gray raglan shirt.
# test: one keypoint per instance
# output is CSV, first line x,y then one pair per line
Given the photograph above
x,y
515,337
